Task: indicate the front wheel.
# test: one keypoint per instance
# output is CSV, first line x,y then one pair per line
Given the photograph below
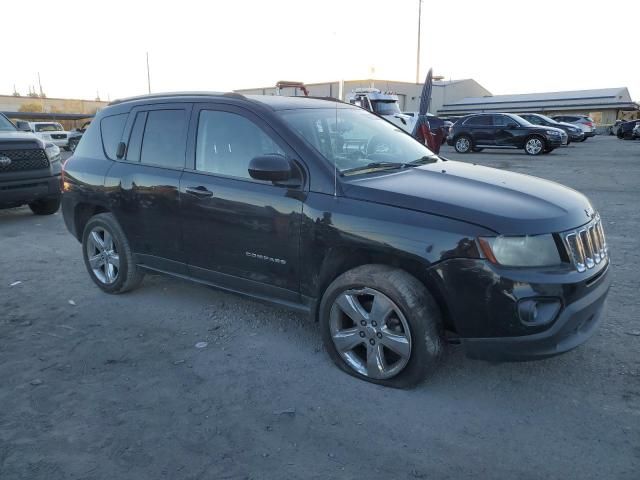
x,y
534,146
380,324
45,206
463,144
107,255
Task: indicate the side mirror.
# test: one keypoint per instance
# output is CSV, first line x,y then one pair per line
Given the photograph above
x,y
272,168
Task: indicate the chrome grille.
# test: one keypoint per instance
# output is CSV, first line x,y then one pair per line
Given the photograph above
x,y
587,245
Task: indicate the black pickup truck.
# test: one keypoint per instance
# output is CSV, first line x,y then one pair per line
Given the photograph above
x,y
29,170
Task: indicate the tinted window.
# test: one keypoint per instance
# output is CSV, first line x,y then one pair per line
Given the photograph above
x,y
227,142
164,138
481,120
111,129
135,140
501,121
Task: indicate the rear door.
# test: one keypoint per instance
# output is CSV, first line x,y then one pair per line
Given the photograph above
x,y
146,183
481,129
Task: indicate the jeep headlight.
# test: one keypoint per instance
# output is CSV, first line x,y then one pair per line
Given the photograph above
x,y
553,132
524,251
52,151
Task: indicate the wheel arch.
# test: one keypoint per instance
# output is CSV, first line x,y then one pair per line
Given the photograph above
x,y
83,213
340,260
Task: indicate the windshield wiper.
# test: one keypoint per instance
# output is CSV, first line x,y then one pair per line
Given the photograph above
x,y
376,166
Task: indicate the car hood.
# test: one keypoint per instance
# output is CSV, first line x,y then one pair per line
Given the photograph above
x,y
507,203
20,138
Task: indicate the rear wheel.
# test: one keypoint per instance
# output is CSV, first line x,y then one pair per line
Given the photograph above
x,y
463,144
534,146
380,324
45,206
107,255
73,143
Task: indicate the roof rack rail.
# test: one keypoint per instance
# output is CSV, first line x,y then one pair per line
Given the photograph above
x,y
173,94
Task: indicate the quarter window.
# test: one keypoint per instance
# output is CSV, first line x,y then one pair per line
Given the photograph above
x,y
111,129
227,142
164,138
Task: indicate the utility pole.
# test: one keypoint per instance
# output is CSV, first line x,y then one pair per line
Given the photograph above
x,y
418,54
148,74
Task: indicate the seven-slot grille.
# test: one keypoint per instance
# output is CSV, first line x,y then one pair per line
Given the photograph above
x,y
587,245
58,136
29,159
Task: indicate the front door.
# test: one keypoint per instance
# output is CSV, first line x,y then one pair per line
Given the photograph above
x,y
239,232
506,131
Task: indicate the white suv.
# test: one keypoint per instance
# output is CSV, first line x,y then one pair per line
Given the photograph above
x,y
587,124
51,132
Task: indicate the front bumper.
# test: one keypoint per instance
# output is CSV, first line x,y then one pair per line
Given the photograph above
x,y
576,137
27,190
590,134
481,304
556,141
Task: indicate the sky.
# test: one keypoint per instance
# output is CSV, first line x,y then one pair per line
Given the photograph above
x,y
89,47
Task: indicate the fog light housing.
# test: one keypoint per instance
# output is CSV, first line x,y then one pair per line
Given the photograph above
x,y
538,311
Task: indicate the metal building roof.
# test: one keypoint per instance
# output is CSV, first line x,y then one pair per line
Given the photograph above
x,y
602,98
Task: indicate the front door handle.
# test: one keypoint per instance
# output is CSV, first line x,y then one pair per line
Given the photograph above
x,y
200,191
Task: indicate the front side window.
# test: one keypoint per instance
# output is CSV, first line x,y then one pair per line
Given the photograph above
x,y
6,125
165,138
351,138
227,142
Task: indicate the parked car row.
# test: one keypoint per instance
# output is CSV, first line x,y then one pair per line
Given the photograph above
x,y
586,124
628,130
475,132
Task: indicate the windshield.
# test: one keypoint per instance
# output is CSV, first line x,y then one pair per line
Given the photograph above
x,y
351,138
48,127
6,125
386,108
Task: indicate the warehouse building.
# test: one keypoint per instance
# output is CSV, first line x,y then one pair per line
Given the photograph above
x,y
604,105
444,91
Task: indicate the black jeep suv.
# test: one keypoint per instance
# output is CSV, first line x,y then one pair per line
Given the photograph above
x,y
503,130
328,209
29,171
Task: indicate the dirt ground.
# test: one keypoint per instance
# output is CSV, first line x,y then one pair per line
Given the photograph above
x,y
94,386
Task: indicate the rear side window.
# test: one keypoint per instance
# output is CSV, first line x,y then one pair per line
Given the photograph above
x,y
111,129
164,140
481,120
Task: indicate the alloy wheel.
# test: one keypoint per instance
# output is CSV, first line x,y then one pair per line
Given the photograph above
x,y
103,256
534,146
370,333
462,144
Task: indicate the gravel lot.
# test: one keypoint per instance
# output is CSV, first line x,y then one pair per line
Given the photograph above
x,y
94,386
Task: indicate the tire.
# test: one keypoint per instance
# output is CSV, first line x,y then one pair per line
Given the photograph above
x,y
45,206
463,144
548,150
112,267
619,134
534,145
412,325
477,149
73,143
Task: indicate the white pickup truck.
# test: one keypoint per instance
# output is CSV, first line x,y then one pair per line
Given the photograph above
x,y
51,132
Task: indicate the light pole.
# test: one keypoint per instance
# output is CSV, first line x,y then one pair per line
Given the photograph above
x,y
148,74
418,54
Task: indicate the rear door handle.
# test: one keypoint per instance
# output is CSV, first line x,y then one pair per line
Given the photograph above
x,y
200,191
